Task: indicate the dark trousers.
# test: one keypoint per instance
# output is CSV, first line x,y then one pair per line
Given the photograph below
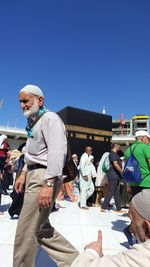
x,y
113,190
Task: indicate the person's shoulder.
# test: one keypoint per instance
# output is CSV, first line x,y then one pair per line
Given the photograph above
x,y
84,155
142,246
147,148
112,154
144,147
50,115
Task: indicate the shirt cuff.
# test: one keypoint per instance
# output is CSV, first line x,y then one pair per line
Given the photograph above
x,y
94,252
50,176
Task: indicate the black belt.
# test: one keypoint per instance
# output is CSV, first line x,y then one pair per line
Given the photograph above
x,y
35,166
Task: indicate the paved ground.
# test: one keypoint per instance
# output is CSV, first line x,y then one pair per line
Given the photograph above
x,y
78,226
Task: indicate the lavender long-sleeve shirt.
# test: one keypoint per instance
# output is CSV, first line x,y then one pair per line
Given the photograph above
x,y
48,146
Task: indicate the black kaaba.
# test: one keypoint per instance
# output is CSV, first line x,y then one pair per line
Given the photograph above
x,y
87,128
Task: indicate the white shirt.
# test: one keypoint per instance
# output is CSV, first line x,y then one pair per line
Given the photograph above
x,y
137,256
85,166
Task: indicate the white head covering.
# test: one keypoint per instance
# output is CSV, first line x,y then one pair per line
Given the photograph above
x,y
32,89
141,202
142,133
3,137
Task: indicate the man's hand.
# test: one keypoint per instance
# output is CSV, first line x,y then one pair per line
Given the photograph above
x,y
117,167
85,177
97,245
46,196
19,184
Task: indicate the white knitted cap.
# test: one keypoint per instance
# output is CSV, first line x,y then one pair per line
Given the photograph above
x,y
32,89
141,202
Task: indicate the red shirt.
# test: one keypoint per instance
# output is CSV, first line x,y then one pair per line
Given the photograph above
x,y
4,150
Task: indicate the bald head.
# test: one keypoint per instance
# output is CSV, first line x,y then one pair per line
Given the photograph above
x,y
88,150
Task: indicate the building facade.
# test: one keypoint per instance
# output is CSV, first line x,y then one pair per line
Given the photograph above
x,y
129,127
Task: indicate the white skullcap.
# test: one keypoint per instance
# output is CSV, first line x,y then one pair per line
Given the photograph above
x,y
32,89
142,133
141,203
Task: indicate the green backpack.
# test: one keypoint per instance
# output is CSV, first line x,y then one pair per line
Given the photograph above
x,y
106,165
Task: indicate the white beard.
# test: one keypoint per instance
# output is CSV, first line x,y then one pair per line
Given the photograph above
x,y
34,109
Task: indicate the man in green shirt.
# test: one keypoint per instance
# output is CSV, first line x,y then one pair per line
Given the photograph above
x,y
141,152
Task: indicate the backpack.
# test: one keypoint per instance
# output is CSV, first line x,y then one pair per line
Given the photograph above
x,y
106,164
131,172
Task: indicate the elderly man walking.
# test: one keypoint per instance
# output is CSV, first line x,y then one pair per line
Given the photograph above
x,y
45,155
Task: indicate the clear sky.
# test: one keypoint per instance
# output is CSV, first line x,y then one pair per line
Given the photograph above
x,y
82,53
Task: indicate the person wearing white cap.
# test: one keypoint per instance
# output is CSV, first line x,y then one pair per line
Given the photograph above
x,y
142,153
45,156
138,255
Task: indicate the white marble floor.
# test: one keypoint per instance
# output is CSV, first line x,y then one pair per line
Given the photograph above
x,y
78,226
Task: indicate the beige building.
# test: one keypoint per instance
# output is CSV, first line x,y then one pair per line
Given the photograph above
x,y
129,127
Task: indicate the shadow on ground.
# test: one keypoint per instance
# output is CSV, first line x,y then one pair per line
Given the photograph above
x,y
4,207
42,259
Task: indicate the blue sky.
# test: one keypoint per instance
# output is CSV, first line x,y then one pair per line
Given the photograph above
x,y
82,53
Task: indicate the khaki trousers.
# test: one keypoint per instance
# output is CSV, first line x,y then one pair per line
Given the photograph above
x,y
30,222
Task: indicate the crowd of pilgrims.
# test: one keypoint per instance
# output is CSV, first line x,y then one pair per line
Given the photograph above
x,y
10,167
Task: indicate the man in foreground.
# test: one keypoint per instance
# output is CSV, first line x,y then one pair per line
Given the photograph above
x,y
45,155
138,255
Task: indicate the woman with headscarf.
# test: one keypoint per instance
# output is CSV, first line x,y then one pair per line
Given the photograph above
x,y
4,147
3,155
1,191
